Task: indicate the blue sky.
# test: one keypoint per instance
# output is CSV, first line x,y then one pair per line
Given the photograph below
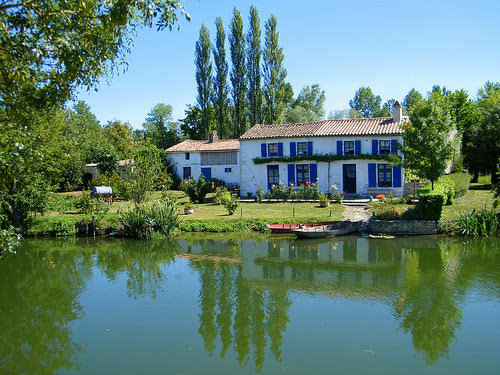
x,y
391,46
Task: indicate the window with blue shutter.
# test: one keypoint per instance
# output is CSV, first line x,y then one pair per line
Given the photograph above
x,y
280,148
291,174
394,144
293,149
357,147
372,175
313,172
263,150
339,148
309,148
396,176
374,146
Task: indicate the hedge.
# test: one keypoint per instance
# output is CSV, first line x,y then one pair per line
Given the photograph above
x,y
430,206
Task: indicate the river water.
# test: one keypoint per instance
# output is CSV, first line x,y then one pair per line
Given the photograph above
x,y
415,305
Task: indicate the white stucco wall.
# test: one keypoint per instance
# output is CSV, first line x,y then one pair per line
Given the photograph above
x,y
218,171
254,175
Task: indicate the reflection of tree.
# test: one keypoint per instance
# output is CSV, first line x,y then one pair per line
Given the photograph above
x,y
39,300
141,260
243,314
429,308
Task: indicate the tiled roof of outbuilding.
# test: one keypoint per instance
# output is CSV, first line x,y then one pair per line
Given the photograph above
x,y
190,145
346,127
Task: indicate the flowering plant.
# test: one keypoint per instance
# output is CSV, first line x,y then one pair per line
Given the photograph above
x,y
380,196
334,193
188,205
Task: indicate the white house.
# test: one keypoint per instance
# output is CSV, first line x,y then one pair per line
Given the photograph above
x,y
213,158
349,153
91,168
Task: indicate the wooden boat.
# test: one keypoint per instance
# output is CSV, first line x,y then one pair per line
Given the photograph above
x,y
287,228
332,230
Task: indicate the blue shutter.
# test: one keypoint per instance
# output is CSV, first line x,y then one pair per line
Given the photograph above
x,y
263,150
280,148
291,174
357,147
339,148
309,148
372,175
396,176
293,149
313,172
393,146
374,146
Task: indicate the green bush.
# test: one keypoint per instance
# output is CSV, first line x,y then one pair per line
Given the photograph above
x,y
443,185
231,203
144,221
482,222
196,190
430,206
61,203
221,193
87,204
462,183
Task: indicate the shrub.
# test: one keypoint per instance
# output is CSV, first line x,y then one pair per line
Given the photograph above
x,y
231,203
462,183
259,193
86,204
61,203
64,228
482,222
443,185
144,221
196,190
215,183
430,206
334,193
221,193
309,191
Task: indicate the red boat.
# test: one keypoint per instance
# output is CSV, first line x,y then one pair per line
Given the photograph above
x,y
288,228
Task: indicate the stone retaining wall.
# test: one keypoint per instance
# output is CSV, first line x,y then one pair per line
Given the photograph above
x,y
402,227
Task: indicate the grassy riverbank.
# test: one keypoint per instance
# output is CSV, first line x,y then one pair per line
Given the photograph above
x,y
207,217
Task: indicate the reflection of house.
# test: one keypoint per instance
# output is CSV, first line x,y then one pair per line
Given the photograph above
x,y
213,159
91,168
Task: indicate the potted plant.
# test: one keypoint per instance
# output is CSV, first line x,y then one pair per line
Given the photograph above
x,y
188,208
323,201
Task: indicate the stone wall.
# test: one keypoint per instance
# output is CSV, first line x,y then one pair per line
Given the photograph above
x,y
402,227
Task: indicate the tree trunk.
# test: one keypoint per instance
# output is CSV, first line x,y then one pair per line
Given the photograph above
x,y
15,215
475,178
432,184
494,177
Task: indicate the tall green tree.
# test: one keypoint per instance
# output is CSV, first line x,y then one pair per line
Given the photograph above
x,y
387,108
121,136
412,98
238,73
191,124
204,80
253,68
48,50
366,102
429,139
274,74
221,90
160,128
487,137
312,99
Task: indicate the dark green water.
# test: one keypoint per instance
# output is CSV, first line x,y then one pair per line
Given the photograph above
x,y
420,305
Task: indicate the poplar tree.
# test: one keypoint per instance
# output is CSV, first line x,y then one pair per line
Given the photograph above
x,y
253,67
274,74
238,73
204,79
221,90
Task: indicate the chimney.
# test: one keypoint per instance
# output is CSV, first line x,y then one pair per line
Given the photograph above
x,y
213,137
397,112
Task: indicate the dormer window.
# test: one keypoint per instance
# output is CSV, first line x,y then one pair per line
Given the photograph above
x,y
272,149
385,147
349,148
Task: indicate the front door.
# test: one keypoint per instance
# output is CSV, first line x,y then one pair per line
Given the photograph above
x,y
207,173
273,176
349,184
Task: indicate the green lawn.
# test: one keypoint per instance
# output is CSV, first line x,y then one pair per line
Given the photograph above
x,y
478,196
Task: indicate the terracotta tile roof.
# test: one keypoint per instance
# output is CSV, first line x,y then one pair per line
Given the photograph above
x,y
346,127
190,145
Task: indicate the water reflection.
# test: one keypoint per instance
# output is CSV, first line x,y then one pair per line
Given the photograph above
x,y
246,290
423,280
